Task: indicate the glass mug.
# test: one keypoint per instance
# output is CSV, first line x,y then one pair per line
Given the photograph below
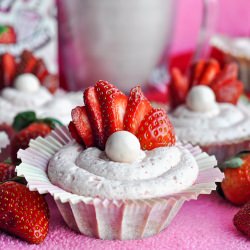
x,y
125,42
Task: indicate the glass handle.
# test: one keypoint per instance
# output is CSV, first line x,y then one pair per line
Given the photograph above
x,y
209,18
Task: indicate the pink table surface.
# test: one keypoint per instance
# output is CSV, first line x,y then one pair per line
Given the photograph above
x,y
202,224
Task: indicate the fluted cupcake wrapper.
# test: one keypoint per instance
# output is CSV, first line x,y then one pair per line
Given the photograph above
x,y
111,219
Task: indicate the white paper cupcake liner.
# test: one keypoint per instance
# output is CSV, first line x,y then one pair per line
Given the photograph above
x,y
111,219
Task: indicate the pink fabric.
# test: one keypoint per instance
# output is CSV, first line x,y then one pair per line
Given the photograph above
x,y
202,224
233,20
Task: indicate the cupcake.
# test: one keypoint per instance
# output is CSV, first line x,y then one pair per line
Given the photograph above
x,y
117,171
207,112
27,85
221,129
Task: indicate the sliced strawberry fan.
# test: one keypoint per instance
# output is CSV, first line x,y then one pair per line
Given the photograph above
x,y
223,81
11,67
108,110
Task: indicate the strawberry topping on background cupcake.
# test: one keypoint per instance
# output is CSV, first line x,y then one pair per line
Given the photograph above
x,y
224,82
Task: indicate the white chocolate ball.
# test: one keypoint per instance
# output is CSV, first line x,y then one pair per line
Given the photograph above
x,y
123,146
201,99
27,83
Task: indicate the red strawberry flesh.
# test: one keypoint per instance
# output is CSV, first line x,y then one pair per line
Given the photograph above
x,y
210,71
23,213
113,105
156,130
27,62
21,139
95,116
229,92
74,133
7,34
178,87
82,125
138,106
7,70
242,220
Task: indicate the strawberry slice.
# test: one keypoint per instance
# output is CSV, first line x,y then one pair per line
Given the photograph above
x,y
95,115
229,92
178,87
196,71
40,70
113,104
51,82
212,68
8,70
156,130
74,133
138,106
27,62
229,73
82,125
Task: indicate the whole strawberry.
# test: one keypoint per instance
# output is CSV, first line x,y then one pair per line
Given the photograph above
x,y
7,34
7,171
28,127
23,213
236,184
242,220
21,139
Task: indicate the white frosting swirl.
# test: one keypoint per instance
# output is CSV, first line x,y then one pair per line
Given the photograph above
x,y
27,99
163,171
231,123
13,101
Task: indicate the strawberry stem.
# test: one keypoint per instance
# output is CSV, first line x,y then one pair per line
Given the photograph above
x,y
17,179
3,29
24,119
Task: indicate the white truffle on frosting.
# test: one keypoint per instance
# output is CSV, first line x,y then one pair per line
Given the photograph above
x,y
123,146
27,83
201,99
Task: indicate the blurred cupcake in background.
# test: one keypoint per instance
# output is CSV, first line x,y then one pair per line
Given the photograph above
x,y
206,111
26,84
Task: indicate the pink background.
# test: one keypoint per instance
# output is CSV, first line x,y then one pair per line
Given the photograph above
x,y
233,19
